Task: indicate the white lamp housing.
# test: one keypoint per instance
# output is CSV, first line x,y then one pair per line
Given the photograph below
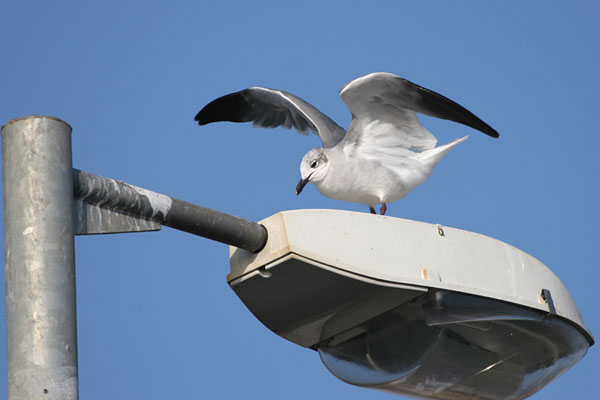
x,y
411,307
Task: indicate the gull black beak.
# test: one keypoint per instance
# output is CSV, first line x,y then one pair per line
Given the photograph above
x,y
301,185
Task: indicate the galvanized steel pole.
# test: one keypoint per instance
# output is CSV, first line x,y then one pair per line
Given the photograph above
x,y
39,188
39,259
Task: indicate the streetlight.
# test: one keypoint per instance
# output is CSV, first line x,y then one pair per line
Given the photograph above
x,y
410,307
392,304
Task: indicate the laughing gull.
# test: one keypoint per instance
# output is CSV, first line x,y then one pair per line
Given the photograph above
x,y
384,154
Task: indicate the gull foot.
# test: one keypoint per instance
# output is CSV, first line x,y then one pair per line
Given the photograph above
x,y
382,210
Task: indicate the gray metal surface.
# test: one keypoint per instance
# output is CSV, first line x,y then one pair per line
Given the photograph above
x,y
145,204
90,219
39,259
306,302
46,202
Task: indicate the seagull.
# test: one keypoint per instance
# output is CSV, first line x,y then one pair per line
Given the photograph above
x,y
385,153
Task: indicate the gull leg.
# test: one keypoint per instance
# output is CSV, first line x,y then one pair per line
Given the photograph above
x,y
372,210
383,209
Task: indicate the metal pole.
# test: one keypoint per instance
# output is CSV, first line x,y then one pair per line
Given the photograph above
x,y
177,214
39,259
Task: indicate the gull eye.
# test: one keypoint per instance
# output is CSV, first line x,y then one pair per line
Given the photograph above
x,y
314,164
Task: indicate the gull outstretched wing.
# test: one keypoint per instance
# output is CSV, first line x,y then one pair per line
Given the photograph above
x,y
270,108
384,108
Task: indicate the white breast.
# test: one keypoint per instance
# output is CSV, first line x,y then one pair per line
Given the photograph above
x,y
370,181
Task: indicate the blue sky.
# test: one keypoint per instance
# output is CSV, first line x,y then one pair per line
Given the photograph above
x,y
156,318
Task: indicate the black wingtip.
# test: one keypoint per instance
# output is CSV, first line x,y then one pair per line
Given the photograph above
x,y
199,118
233,107
440,106
488,130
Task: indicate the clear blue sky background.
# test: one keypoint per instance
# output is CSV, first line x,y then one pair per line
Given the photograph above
x,y
156,318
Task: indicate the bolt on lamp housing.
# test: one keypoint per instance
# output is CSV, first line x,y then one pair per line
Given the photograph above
x,y
410,307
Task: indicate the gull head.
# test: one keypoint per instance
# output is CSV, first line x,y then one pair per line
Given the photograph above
x,y
314,167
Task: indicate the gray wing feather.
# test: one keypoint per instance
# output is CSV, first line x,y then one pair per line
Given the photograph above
x,y
378,93
270,108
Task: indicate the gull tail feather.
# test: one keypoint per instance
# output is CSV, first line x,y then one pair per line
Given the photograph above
x,y
433,156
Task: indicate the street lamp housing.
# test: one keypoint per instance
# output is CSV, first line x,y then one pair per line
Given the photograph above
x,y
411,307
